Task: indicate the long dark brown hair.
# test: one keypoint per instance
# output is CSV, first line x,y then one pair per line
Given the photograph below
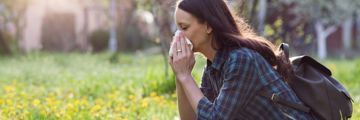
x,y
231,31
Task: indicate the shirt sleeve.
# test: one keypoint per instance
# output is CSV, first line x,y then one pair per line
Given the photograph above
x,y
239,85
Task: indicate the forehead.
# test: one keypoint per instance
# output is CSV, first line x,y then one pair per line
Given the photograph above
x,y
183,17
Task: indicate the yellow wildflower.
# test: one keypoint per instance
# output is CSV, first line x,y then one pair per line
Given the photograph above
x,y
36,102
9,102
43,112
9,88
95,108
57,114
158,99
131,97
144,103
153,94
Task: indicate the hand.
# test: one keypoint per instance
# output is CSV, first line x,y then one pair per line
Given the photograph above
x,y
182,61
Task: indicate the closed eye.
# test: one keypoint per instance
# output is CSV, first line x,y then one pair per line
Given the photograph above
x,y
183,26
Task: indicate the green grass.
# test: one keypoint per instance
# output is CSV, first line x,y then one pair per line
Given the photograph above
x,y
87,86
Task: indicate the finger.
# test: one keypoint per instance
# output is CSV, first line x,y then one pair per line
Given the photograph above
x,y
188,50
171,50
174,47
178,46
183,43
170,60
187,47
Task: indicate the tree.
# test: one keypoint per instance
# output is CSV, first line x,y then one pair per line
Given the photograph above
x,y
357,21
248,10
118,13
253,10
13,11
326,15
347,11
164,22
261,16
113,36
87,6
358,28
4,48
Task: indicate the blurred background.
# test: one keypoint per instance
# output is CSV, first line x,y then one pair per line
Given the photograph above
x,y
106,59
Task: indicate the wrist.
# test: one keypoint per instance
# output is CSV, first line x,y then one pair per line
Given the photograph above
x,y
184,78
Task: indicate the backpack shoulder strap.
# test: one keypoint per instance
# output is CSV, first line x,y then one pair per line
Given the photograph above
x,y
276,99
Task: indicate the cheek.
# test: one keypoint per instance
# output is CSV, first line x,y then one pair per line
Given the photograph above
x,y
197,36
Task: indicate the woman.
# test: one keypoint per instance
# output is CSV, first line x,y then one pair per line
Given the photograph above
x,y
239,65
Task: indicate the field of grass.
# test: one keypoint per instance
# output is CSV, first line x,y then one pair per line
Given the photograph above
x,y
86,86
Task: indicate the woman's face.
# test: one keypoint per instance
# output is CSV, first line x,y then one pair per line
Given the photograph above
x,y
195,31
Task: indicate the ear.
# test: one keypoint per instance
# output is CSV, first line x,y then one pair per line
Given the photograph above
x,y
208,28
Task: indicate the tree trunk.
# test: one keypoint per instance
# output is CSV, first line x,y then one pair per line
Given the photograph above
x,y
113,36
322,35
83,41
246,7
261,16
19,20
346,34
164,24
19,26
4,48
358,29
321,43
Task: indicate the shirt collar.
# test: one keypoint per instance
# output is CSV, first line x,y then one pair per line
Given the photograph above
x,y
219,59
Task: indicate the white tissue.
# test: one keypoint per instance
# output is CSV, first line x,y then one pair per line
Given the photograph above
x,y
177,33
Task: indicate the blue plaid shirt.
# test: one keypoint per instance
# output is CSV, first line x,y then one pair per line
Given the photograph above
x,y
231,84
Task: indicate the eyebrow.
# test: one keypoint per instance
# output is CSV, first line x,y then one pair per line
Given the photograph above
x,y
181,23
